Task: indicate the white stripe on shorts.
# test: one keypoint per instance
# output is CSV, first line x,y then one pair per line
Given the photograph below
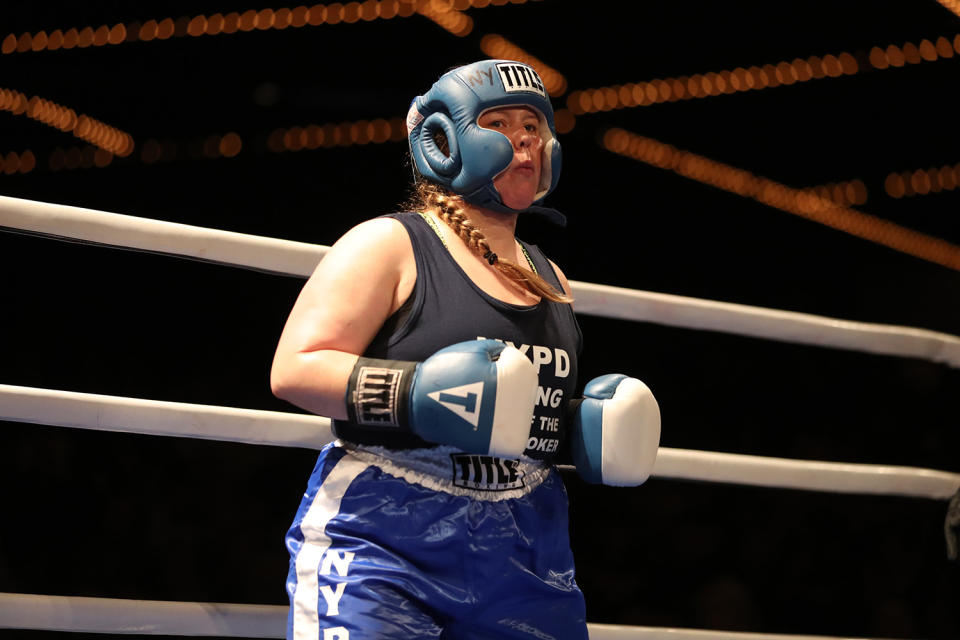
x,y
325,506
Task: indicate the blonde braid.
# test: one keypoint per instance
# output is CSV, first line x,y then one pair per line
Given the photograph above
x,y
451,211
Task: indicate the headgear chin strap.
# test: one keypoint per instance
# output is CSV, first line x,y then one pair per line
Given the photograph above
x,y
477,155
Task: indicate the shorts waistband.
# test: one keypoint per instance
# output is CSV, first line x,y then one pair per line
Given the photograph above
x,y
449,470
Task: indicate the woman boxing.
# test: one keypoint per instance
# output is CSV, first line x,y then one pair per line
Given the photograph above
x,y
446,351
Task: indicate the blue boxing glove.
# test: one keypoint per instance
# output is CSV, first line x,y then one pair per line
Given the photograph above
x,y
477,396
616,431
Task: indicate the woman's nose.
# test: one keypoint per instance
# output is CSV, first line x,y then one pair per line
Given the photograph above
x,y
522,138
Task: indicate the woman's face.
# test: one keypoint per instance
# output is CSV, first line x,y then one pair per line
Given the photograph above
x,y
519,183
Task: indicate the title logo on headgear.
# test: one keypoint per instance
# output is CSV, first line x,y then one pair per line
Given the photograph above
x,y
520,77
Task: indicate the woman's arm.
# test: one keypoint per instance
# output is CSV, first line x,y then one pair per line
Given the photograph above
x,y
361,281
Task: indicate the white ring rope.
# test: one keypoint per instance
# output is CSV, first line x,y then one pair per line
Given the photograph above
x,y
159,418
108,615
297,258
157,236
758,322
111,413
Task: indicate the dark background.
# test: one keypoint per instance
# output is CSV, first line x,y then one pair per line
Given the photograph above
x,y
99,514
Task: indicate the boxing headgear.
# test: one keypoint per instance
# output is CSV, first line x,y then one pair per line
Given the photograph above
x,y
476,155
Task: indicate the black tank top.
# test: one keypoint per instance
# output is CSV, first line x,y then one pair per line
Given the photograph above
x,y
447,307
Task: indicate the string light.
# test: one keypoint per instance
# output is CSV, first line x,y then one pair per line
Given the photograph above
x,y
799,202
13,101
153,151
14,162
228,145
499,47
214,146
83,126
711,84
564,120
952,5
921,182
52,114
214,24
86,157
851,192
483,4
446,13
344,134
103,136
894,56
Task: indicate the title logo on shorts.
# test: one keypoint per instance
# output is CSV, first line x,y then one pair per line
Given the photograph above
x,y
486,473
520,77
463,400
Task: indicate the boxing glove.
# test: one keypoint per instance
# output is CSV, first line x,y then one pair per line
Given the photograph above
x,y
477,396
615,431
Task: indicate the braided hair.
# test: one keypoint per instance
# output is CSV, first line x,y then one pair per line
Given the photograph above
x,y
450,209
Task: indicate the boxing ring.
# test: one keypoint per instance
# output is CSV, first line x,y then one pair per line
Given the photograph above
x,y
130,415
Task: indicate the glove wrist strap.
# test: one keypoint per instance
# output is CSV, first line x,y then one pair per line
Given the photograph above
x,y
378,393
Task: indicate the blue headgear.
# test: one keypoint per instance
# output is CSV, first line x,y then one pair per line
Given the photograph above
x,y
454,104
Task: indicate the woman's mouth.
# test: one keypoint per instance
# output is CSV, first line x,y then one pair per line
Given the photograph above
x,y
526,166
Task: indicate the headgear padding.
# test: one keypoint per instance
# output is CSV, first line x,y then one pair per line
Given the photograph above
x,y
454,104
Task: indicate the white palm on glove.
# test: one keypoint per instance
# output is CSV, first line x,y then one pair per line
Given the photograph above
x,y
616,431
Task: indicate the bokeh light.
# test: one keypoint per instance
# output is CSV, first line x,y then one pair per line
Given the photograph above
x,y
806,203
767,76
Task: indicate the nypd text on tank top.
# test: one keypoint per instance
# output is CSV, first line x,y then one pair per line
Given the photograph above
x,y
553,364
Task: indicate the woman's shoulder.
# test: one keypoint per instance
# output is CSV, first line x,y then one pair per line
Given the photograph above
x,y
375,245
382,233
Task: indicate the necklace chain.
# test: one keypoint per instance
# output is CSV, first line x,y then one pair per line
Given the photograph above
x,y
436,229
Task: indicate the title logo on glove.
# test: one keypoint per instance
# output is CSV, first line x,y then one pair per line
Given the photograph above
x,y
463,400
375,399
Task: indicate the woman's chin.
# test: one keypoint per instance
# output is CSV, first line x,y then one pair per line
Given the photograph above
x,y
519,204
517,190
517,199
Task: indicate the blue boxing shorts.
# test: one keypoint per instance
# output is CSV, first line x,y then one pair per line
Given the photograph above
x,y
430,543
